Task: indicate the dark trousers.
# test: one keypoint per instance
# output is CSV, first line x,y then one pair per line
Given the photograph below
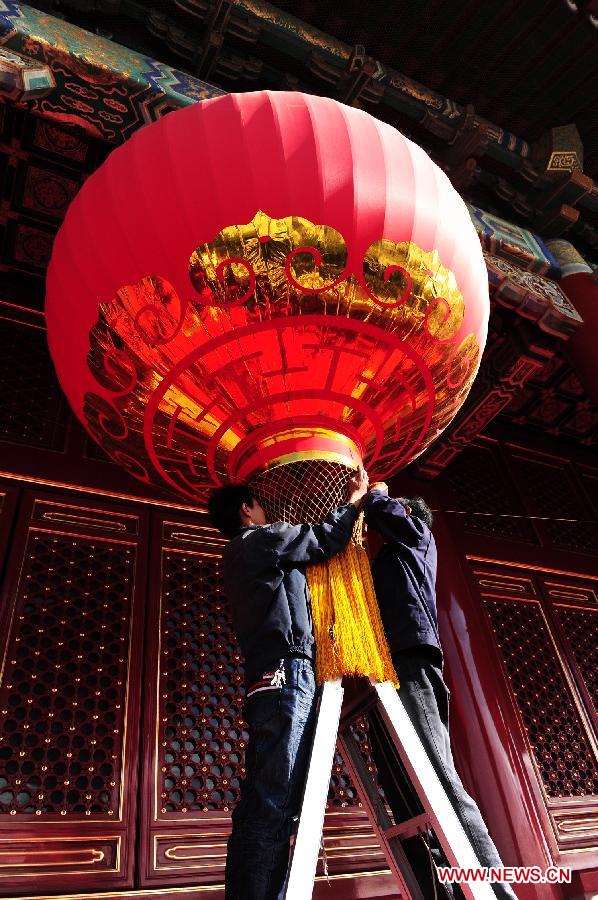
x,y
281,723
425,697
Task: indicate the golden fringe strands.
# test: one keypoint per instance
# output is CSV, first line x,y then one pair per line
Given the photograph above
x,y
350,639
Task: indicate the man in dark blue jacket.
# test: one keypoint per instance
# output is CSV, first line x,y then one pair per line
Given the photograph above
x,y
265,583
404,574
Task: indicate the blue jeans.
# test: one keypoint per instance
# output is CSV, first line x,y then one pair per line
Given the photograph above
x,y
425,697
281,723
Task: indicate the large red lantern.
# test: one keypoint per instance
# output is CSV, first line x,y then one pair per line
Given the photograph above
x,y
262,278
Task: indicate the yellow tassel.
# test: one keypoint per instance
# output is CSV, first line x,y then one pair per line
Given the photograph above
x,y
350,638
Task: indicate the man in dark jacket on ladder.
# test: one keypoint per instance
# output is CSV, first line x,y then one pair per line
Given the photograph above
x,y
404,574
265,583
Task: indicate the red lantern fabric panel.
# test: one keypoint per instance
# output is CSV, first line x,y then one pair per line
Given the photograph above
x,y
263,277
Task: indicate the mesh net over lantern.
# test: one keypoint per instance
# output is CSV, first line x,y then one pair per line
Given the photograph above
x,y
263,280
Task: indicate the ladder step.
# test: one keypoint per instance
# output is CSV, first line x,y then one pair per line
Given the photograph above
x,y
306,846
410,827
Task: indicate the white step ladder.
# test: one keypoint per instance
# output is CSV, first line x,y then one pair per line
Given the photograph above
x,y
383,701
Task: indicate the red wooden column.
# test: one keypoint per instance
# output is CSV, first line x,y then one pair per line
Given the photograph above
x,y
518,619
486,737
488,749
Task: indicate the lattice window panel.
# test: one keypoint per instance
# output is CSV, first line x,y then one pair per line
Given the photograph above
x,y
341,790
202,735
561,747
33,409
479,483
581,629
555,495
62,723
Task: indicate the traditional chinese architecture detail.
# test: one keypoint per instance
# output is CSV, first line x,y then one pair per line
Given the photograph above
x,y
361,81
207,38
552,486
533,296
107,90
63,687
202,734
23,79
554,402
509,363
33,410
559,150
570,260
581,629
44,166
515,244
562,750
466,147
69,692
484,495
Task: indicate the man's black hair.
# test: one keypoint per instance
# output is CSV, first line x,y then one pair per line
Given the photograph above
x,y
419,508
224,507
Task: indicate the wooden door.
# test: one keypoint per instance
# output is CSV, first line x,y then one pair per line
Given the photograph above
x,y
71,645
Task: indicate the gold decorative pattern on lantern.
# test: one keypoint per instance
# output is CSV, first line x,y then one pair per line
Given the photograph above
x,y
282,335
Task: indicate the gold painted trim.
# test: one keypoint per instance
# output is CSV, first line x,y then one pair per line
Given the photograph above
x,y
108,525
129,540
203,528
576,826
501,585
351,847
580,602
166,892
195,539
574,851
577,606
196,834
134,614
157,688
171,852
117,838
82,862
350,855
488,595
530,568
210,860
570,592
116,495
96,517
335,456
344,875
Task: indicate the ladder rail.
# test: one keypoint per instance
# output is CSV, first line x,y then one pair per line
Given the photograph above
x,y
453,839
306,847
